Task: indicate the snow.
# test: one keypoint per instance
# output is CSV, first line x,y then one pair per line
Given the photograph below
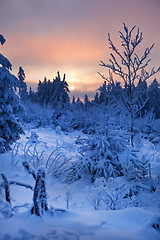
x,y
80,220
125,224
81,171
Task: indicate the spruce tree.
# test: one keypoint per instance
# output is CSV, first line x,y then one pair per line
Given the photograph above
x,y
22,84
73,100
32,95
154,98
79,103
60,97
10,128
86,101
96,98
103,93
142,95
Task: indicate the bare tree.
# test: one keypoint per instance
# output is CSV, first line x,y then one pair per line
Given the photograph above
x,y
130,68
69,192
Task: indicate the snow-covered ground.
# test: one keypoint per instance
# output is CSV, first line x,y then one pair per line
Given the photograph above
x,y
79,220
132,223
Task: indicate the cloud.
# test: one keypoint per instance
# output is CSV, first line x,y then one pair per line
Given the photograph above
x,y
71,35
53,49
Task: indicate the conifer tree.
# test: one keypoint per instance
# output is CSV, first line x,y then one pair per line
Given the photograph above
x,y
39,91
142,94
22,84
103,93
32,95
60,97
10,129
30,91
96,98
154,98
73,100
79,103
54,93
86,101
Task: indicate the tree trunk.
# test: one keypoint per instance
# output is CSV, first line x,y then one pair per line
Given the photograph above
x,y
132,144
39,197
6,186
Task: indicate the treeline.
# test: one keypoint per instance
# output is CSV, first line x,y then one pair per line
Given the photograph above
x,y
56,94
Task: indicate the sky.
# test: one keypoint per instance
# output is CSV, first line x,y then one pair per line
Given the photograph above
x,y
70,36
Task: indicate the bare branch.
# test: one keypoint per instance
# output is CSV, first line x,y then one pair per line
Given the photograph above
x,y
141,107
115,49
21,184
29,169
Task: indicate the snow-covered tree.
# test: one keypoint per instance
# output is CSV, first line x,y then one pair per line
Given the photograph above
x,y
96,98
22,84
10,128
60,97
142,94
73,100
4,61
129,67
86,102
99,157
79,103
54,93
154,98
32,95
41,92
103,93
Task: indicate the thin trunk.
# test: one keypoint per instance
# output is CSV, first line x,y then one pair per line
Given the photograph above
x,y
132,144
6,186
39,197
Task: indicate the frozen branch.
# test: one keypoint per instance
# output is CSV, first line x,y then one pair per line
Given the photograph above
x,y
20,184
29,169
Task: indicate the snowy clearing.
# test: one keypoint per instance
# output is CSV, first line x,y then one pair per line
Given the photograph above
x,y
80,221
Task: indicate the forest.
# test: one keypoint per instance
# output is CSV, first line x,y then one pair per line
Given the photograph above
x,y
76,168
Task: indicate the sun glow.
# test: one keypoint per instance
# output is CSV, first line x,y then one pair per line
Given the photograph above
x,y
72,88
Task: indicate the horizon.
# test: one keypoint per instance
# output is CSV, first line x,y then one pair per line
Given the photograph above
x,y
71,37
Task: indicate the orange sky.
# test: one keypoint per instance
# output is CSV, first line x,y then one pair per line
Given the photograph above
x,y
70,36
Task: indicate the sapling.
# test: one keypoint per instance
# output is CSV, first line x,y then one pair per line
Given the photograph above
x,y
69,192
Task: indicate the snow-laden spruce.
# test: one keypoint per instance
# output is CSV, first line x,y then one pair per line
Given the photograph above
x,y
54,93
10,128
22,85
